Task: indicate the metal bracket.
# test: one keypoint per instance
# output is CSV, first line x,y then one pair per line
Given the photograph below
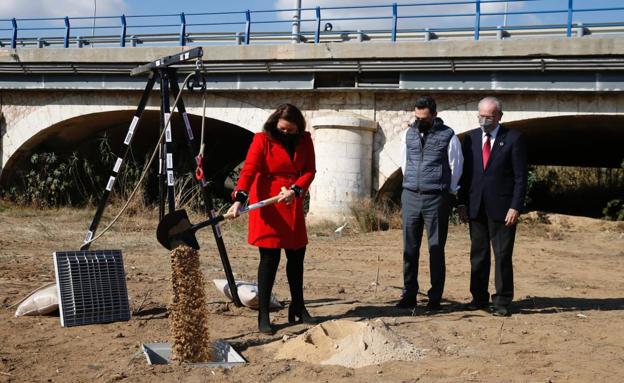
x,y
167,61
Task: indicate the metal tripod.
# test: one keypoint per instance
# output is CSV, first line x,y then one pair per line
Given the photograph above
x,y
164,70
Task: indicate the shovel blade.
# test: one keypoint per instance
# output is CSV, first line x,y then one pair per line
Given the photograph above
x,y
175,229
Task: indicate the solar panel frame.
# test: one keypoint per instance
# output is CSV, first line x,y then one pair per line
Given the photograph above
x,y
91,286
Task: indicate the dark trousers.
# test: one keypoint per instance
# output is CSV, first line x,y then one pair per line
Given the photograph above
x,y
420,211
483,231
269,261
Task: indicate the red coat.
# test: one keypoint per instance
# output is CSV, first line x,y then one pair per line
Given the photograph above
x,y
267,168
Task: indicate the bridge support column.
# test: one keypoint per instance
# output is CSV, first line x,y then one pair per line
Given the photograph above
x,y
344,154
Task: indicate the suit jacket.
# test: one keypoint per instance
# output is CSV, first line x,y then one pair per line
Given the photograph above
x,y
502,184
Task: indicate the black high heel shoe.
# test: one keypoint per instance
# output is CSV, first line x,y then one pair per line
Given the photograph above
x,y
264,325
299,314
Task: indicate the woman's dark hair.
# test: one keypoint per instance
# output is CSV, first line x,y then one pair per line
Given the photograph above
x,y
289,113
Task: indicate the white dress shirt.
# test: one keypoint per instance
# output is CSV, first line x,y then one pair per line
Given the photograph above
x,y
493,135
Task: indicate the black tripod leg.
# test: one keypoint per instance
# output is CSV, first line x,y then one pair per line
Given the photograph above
x,y
121,156
168,158
162,181
193,147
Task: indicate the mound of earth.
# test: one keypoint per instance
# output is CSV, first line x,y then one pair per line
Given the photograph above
x,y
349,344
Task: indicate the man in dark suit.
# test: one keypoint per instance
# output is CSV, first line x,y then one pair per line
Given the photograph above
x,y
493,187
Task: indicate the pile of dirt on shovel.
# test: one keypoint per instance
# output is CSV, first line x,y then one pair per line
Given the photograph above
x,y
350,344
187,311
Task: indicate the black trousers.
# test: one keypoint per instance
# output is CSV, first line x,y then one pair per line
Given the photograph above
x,y
269,262
483,231
420,211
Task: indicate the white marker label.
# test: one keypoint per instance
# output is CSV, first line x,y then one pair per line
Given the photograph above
x,y
111,182
117,165
133,125
170,178
157,62
89,236
189,131
169,161
128,137
185,56
168,134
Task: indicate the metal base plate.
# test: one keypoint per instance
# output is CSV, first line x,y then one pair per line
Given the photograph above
x,y
224,355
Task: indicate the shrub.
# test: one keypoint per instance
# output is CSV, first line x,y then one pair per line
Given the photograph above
x,y
614,210
373,215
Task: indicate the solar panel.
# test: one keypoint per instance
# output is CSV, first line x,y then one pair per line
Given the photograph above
x,y
91,287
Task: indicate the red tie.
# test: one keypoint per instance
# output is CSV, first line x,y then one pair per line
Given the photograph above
x,y
486,150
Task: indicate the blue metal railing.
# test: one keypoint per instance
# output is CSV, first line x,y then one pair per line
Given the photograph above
x,y
388,21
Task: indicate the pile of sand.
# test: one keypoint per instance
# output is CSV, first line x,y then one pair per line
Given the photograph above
x,y
189,320
349,344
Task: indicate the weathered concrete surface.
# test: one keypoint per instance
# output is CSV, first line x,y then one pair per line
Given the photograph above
x,y
544,47
344,149
30,116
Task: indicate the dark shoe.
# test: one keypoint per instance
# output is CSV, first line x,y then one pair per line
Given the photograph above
x,y
501,311
406,303
433,307
299,315
474,305
264,324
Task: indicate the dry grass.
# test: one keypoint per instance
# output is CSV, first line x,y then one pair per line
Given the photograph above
x,y
373,215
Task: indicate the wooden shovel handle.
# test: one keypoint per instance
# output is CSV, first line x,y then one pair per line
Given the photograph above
x,y
257,205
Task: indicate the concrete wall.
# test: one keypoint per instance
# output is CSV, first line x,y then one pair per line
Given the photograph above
x,y
28,115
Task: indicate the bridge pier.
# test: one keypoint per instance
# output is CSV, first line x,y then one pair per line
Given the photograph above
x,y
344,152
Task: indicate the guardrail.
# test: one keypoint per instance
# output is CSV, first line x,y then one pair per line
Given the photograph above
x,y
476,19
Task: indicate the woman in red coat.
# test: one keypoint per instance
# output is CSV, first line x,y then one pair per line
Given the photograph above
x,y
280,161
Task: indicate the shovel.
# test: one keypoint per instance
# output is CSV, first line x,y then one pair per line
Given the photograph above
x,y
176,229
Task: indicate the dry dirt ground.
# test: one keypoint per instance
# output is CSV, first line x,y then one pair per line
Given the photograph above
x,y
567,323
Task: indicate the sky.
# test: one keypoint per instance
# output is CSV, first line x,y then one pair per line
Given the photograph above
x,y
86,8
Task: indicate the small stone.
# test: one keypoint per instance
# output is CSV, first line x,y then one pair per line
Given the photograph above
x,y
119,335
341,290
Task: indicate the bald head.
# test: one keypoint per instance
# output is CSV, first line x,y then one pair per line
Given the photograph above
x,y
490,113
491,103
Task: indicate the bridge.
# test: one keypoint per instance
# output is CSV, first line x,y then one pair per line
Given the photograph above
x,y
564,93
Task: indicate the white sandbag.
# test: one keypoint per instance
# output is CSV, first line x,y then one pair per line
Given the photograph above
x,y
247,292
40,302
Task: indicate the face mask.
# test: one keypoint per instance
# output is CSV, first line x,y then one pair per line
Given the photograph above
x,y
487,124
422,125
286,138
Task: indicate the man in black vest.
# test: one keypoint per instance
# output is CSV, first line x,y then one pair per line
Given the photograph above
x,y
432,164
491,197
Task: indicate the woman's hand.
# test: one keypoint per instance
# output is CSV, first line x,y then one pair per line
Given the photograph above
x,y
234,210
286,195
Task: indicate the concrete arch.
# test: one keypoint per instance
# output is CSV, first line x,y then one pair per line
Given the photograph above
x,y
24,134
552,139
